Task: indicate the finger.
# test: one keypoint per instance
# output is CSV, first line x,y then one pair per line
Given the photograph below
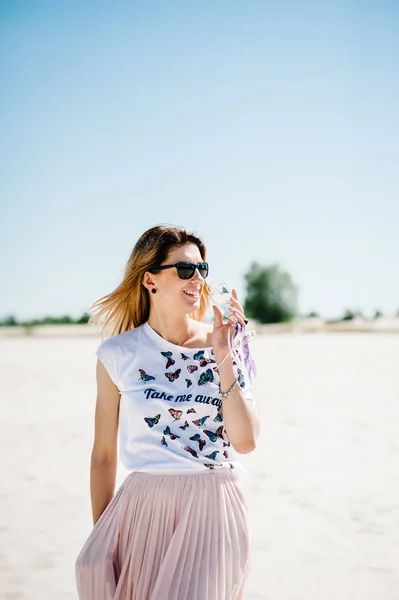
x,y
240,317
237,311
234,294
236,304
218,316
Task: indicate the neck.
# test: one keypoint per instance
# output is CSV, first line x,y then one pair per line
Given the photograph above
x,y
177,330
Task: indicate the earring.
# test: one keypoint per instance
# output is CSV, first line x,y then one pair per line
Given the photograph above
x,y
154,291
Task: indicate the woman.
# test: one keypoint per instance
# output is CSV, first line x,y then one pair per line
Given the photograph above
x,y
177,528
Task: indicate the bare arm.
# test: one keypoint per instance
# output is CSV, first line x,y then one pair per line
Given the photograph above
x,y
104,454
240,418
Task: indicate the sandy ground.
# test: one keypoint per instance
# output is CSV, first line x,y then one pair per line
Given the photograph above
x,y
323,485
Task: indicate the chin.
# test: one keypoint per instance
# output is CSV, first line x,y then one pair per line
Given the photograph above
x,y
192,306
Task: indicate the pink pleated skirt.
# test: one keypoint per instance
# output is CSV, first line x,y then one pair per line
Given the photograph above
x,y
169,536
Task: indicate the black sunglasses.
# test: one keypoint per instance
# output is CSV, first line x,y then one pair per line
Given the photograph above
x,y
185,270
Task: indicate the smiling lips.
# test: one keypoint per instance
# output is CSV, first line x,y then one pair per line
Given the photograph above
x,y
193,293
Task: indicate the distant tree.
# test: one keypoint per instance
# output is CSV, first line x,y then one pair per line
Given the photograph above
x,y
10,321
84,318
377,314
271,295
348,316
312,314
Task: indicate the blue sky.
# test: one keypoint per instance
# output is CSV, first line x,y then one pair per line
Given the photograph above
x,y
270,129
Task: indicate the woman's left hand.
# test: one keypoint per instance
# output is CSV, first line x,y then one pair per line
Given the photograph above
x,y
220,329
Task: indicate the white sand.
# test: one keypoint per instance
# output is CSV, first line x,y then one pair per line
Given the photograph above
x,y
323,485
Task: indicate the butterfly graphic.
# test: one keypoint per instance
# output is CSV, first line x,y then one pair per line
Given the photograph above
x,y
190,410
173,376
225,454
170,360
168,432
192,452
151,421
184,357
189,382
184,426
240,378
212,455
192,368
198,355
145,377
176,414
163,441
206,361
210,466
218,418
196,438
231,466
226,444
201,421
205,377
213,436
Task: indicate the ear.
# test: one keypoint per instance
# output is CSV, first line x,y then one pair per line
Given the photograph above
x,y
148,280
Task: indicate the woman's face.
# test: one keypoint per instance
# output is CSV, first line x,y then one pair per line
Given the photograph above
x,y
180,295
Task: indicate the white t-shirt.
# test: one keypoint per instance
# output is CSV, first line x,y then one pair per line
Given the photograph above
x,y
170,415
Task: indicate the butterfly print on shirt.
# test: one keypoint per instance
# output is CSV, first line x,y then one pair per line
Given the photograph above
x,y
225,454
206,361
205,377
192,368
151,421
192,452
212,455
240,378
173,376
213,435
184,426
191,410
189,382
218,418
168,432
200,422
145,377
197,438
210,466
163,441
184,357
198,355
226,444
170,360
176,414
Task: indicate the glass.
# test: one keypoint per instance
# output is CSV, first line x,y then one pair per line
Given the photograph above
x,y
220,295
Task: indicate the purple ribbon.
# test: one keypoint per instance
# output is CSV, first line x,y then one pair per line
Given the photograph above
x,y
241,339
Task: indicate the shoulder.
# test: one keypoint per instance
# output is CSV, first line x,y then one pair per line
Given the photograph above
x,y
204,333
120,340
115,351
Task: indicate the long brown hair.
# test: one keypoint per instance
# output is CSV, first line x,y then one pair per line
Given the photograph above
x,y
128,306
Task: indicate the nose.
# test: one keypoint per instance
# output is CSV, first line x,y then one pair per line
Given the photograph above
x,y
197,275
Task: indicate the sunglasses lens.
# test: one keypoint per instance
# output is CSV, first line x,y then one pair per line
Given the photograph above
x,y
203,269
185,271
